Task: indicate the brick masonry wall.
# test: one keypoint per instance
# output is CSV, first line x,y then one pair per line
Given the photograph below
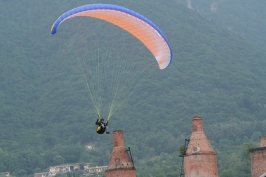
x,y
200,165
121,173
258,161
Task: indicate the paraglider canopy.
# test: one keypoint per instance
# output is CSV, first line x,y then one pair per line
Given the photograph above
x,y
108,82
136,24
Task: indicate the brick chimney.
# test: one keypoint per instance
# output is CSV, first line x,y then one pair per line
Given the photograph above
x,y
258,159
263,141
120,164
200,158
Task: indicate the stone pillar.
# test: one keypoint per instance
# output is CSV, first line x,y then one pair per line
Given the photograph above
x,y
120,164
200,158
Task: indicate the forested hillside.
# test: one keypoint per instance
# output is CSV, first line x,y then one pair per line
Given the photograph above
x,y
244,18
47,117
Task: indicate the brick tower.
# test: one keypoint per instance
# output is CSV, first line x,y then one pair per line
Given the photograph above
x,y
200,158
258,159
120,164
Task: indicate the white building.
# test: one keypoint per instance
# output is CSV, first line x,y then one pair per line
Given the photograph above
x,y
61,169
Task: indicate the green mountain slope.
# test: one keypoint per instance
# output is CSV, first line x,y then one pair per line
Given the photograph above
x,y
47,117
245,18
